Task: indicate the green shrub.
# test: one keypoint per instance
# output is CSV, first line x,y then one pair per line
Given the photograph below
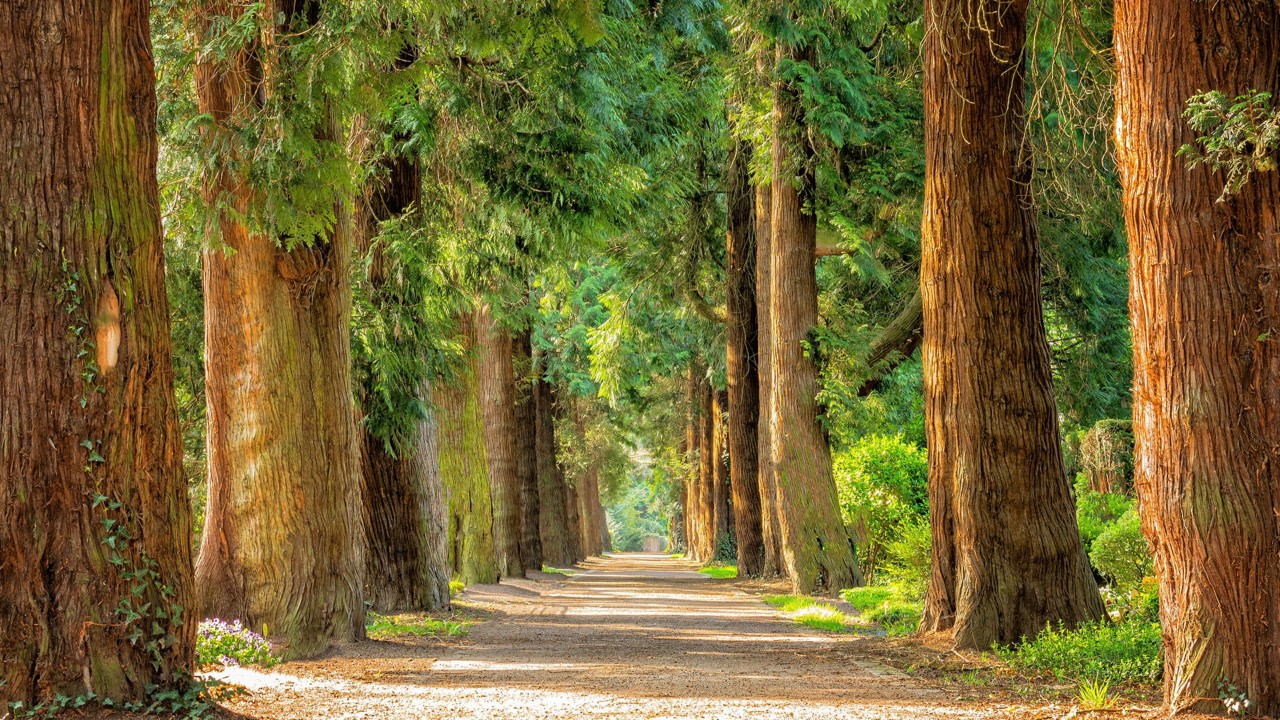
x,y
907,556
882,483
889,606
726,549
219,642
1121,552
1096,510
1101,651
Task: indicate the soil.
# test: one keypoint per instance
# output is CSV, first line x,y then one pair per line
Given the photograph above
x,y
628,636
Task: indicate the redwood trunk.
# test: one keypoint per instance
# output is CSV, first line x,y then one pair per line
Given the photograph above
x,y
1007,557
557,550
1205,300
527,454
498,395
87,406
740,358
693,436
707,525
283,543
770,531
464,468
720,489
817,551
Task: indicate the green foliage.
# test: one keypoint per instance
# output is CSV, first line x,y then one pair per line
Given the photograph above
x,y
1095,695
812,613
1100,651
1095,511
1239,135
456,587
720,571
383,627
1121,552
229,643
882,482
894,607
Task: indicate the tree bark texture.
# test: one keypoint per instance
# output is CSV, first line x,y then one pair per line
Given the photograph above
x,y
706,488
498,397
817,551
693,513
1007,557
92,500
720,488
283,542
464,468
740,359
557,550
770,531
1205,302
527,454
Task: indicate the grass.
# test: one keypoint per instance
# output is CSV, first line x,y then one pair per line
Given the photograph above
x,y
887,606
382,627
720,572
1098,652
812,613
557,571
456,587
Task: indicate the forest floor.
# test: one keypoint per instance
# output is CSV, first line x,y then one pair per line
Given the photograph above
x,y
628,636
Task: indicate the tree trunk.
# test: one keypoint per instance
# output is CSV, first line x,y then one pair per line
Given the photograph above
x,y
465,470
406,528
720,488
574,518
693,438
1205,299
770,531
283,545
817,551
1007,557
527,454
553,519
405,524
740,359
706,471
90,452
498,396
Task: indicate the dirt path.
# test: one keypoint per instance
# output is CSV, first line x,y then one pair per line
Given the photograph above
x,y
631,636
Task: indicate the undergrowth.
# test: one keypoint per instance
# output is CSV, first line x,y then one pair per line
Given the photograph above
x,y
1102,651
720,571
813,613
893,608
382,627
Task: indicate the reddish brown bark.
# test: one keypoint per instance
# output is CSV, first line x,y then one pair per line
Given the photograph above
x,y
1007,557
706,525
283,543
557,550
1205,300
498,399
722,518
740,359
817,551
87,406
770,531
527,454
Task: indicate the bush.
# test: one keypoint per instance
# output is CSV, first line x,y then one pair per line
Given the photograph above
x,y
882,483
907,557
1116,653
229,643
1121,552
1097,510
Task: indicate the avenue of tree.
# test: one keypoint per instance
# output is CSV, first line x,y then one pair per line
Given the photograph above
x,y
308,307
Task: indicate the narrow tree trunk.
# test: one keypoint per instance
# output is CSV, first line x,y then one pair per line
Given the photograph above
x,y
498,398
693,487
406,528
553,519
1205,299
527,454
740,358
706,471
720,488
465,469
818,553
770,530
1007,557
283,543
90,452
572,503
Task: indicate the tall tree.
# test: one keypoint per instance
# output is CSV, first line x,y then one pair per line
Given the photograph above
x,y
770,530
1007,557
740,362
557,550
498,398
283,543
527,453
1205,300
817,551
464,467
95,542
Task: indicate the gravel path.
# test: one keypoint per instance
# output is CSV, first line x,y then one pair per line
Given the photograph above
x,y
629,636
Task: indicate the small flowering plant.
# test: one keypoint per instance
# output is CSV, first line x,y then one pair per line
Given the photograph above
x,y
1235,700
231,644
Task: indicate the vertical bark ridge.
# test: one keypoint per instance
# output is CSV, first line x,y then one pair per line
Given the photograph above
x,y
498,399
527,458
770,532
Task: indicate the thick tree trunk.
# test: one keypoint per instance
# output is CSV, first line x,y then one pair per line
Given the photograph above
x,y
498,397
770,530
527,454
465,470
283,545
557,550
404,513
1007,557
740,358
90,452
406,528
1205,299
817,551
